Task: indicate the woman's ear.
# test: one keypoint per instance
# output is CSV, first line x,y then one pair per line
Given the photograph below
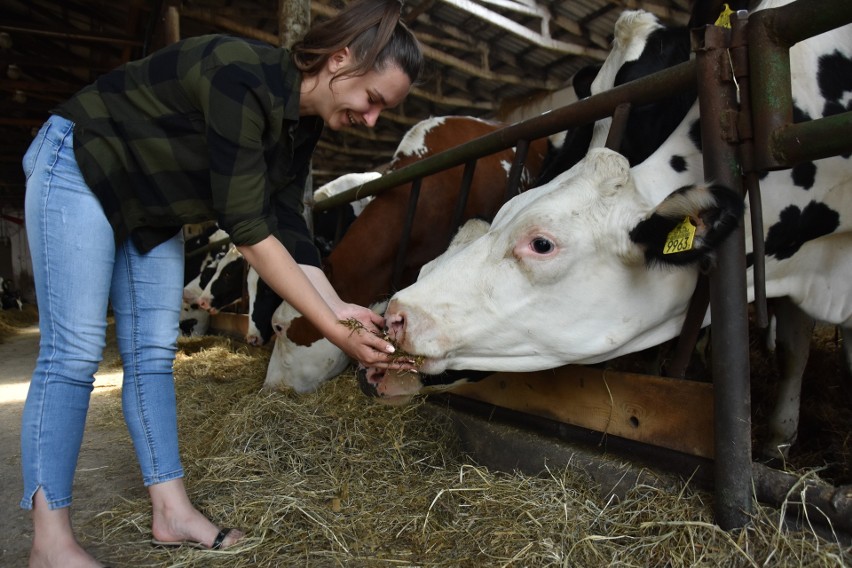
x,y
339,59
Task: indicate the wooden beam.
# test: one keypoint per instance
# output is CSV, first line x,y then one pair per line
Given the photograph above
x,y
230,323
294,20
171,22
211,16
453,101
369,152
70,36
671,413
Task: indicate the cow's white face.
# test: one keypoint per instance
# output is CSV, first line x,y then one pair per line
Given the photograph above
x,y
558,279
300,366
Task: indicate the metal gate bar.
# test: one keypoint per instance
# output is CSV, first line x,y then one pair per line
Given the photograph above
x,y
717,98
602,105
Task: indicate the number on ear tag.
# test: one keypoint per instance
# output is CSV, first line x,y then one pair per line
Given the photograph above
x,y
680,238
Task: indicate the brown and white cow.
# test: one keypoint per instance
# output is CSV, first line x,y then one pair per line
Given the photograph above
x,y
360,266
576,272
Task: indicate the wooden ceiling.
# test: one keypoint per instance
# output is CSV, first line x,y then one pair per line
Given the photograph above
x,y
483,58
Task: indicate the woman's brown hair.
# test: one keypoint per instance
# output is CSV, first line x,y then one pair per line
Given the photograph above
x,y
372,30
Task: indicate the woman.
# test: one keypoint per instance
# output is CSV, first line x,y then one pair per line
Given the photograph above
x,y
212,127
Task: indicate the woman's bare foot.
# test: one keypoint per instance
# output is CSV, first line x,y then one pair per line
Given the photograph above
x,y
174,519
53,539
58,553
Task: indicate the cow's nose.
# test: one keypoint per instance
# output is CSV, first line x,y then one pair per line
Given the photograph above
x,y
204,304
395,322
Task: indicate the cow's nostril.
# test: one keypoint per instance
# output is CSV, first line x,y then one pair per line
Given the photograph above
x,y
395,324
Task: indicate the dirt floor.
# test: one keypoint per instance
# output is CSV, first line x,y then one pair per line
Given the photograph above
x,y
105,470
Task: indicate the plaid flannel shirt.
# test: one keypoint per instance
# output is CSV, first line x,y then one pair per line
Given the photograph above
x,y
207,128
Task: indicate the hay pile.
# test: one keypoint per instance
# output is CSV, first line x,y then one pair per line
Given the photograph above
x,y
334,479
11,321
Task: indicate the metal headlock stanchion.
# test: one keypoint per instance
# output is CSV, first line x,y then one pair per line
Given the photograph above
x,y
717,98
743,78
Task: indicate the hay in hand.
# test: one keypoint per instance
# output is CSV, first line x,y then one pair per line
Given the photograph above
x,y
356,326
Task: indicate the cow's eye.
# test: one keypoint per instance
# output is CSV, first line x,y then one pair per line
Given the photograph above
x,y
542,245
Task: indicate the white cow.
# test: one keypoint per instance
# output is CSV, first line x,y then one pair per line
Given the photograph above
x,y
575,271
360,267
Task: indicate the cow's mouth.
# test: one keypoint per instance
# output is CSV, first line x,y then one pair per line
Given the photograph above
x,y
371,381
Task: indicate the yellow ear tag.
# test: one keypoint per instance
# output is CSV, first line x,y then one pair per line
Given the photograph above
x,y
724,19
680,238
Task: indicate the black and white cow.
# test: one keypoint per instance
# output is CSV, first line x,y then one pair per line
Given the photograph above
x,y
226,284
263,302
198,252
576,272
200,268
10,299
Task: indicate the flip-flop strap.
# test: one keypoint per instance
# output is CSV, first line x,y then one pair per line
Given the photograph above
x,y
217,542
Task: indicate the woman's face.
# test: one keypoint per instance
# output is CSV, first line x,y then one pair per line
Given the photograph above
x,y
358,101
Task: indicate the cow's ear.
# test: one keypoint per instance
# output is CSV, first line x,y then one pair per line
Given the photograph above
x,y
689,225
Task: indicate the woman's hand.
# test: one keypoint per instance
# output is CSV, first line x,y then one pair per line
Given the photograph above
x,y
364,338
308,290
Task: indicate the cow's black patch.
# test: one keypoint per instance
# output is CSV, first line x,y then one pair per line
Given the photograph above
x,y
695,134
834,77
266,301
649,125
795,227
799,115
187,325
678,163
719,219
804,174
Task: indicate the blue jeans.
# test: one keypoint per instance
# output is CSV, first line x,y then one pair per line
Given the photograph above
x,y
79,271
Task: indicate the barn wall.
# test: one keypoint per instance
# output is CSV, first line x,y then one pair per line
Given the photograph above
x,y
15,263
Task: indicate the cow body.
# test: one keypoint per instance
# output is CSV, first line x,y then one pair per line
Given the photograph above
x,y
10,299
226,284
200,268
360,265
573,272
330,225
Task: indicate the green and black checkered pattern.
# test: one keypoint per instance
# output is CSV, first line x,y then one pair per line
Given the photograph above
x,y
207,128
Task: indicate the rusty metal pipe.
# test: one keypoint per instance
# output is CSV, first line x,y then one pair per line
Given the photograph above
x,y
801,20
413,198
641,91
771,33
513,185
728,305
813,140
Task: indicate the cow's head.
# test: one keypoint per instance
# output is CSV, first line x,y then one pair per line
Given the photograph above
x,y
575,271
302,359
